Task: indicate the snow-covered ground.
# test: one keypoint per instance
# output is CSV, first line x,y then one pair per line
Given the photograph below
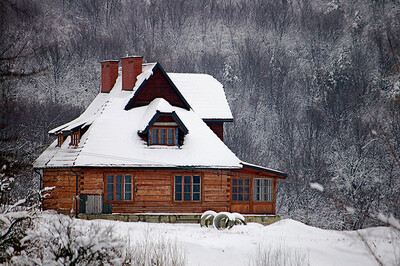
x,y
242,245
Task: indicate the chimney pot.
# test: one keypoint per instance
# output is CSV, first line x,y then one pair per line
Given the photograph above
x,y
131,68
109,74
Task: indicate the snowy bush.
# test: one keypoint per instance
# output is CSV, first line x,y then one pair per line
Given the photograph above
x,y
60,240
279,255
17,219
6,183
13,225
55,239
153,249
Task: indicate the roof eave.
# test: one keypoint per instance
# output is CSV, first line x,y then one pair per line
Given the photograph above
x,y
264,169
216,168
216,120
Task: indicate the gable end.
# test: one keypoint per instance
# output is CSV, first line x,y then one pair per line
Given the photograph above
x,y
159,85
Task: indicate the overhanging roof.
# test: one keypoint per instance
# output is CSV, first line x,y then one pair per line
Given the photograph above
x,y
263,169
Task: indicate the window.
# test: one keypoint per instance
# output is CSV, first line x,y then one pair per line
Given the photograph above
x,y
187,188
60,140
75,136
171,136
240,189
163,136
119,187
263,190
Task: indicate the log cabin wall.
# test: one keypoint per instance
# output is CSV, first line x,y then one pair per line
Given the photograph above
x,y
251,206
153,190
62,197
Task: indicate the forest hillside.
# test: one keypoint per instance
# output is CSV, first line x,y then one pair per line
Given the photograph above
x,y
313,86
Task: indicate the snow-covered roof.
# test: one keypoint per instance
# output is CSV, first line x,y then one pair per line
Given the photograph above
x,y
204,93
147,71
112,140
86,118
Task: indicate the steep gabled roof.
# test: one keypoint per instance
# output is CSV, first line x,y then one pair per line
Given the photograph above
x,y
112,141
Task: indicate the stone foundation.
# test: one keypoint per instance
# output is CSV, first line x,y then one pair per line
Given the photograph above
x,y
173,218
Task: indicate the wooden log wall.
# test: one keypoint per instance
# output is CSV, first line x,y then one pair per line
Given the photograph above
x,y
252,206
62,197
153,191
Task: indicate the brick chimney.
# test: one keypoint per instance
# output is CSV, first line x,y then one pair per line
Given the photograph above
x,y
109,74
131,68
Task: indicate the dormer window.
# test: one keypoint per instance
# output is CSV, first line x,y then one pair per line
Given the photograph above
x,y
164,136
75,137
164,129
60,140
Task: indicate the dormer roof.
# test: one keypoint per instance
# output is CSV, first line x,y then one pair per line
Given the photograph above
x,y
172,114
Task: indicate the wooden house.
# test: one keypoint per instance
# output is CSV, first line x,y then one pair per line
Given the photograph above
x,y
152,142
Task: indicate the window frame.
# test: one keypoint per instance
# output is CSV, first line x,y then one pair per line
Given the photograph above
x,y
60,140
268,190
75,138
123,192
159,139
243,179
192,184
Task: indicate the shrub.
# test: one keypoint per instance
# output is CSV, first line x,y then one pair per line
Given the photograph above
x,y
61,240
153,249
14,221
279,255
56,239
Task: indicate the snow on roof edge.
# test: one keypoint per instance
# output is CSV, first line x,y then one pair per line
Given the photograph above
x,y
89,114
202,167
265,169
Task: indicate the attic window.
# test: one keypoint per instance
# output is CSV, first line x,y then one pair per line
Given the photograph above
x,y
75,137
163,136
164,129
60,140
